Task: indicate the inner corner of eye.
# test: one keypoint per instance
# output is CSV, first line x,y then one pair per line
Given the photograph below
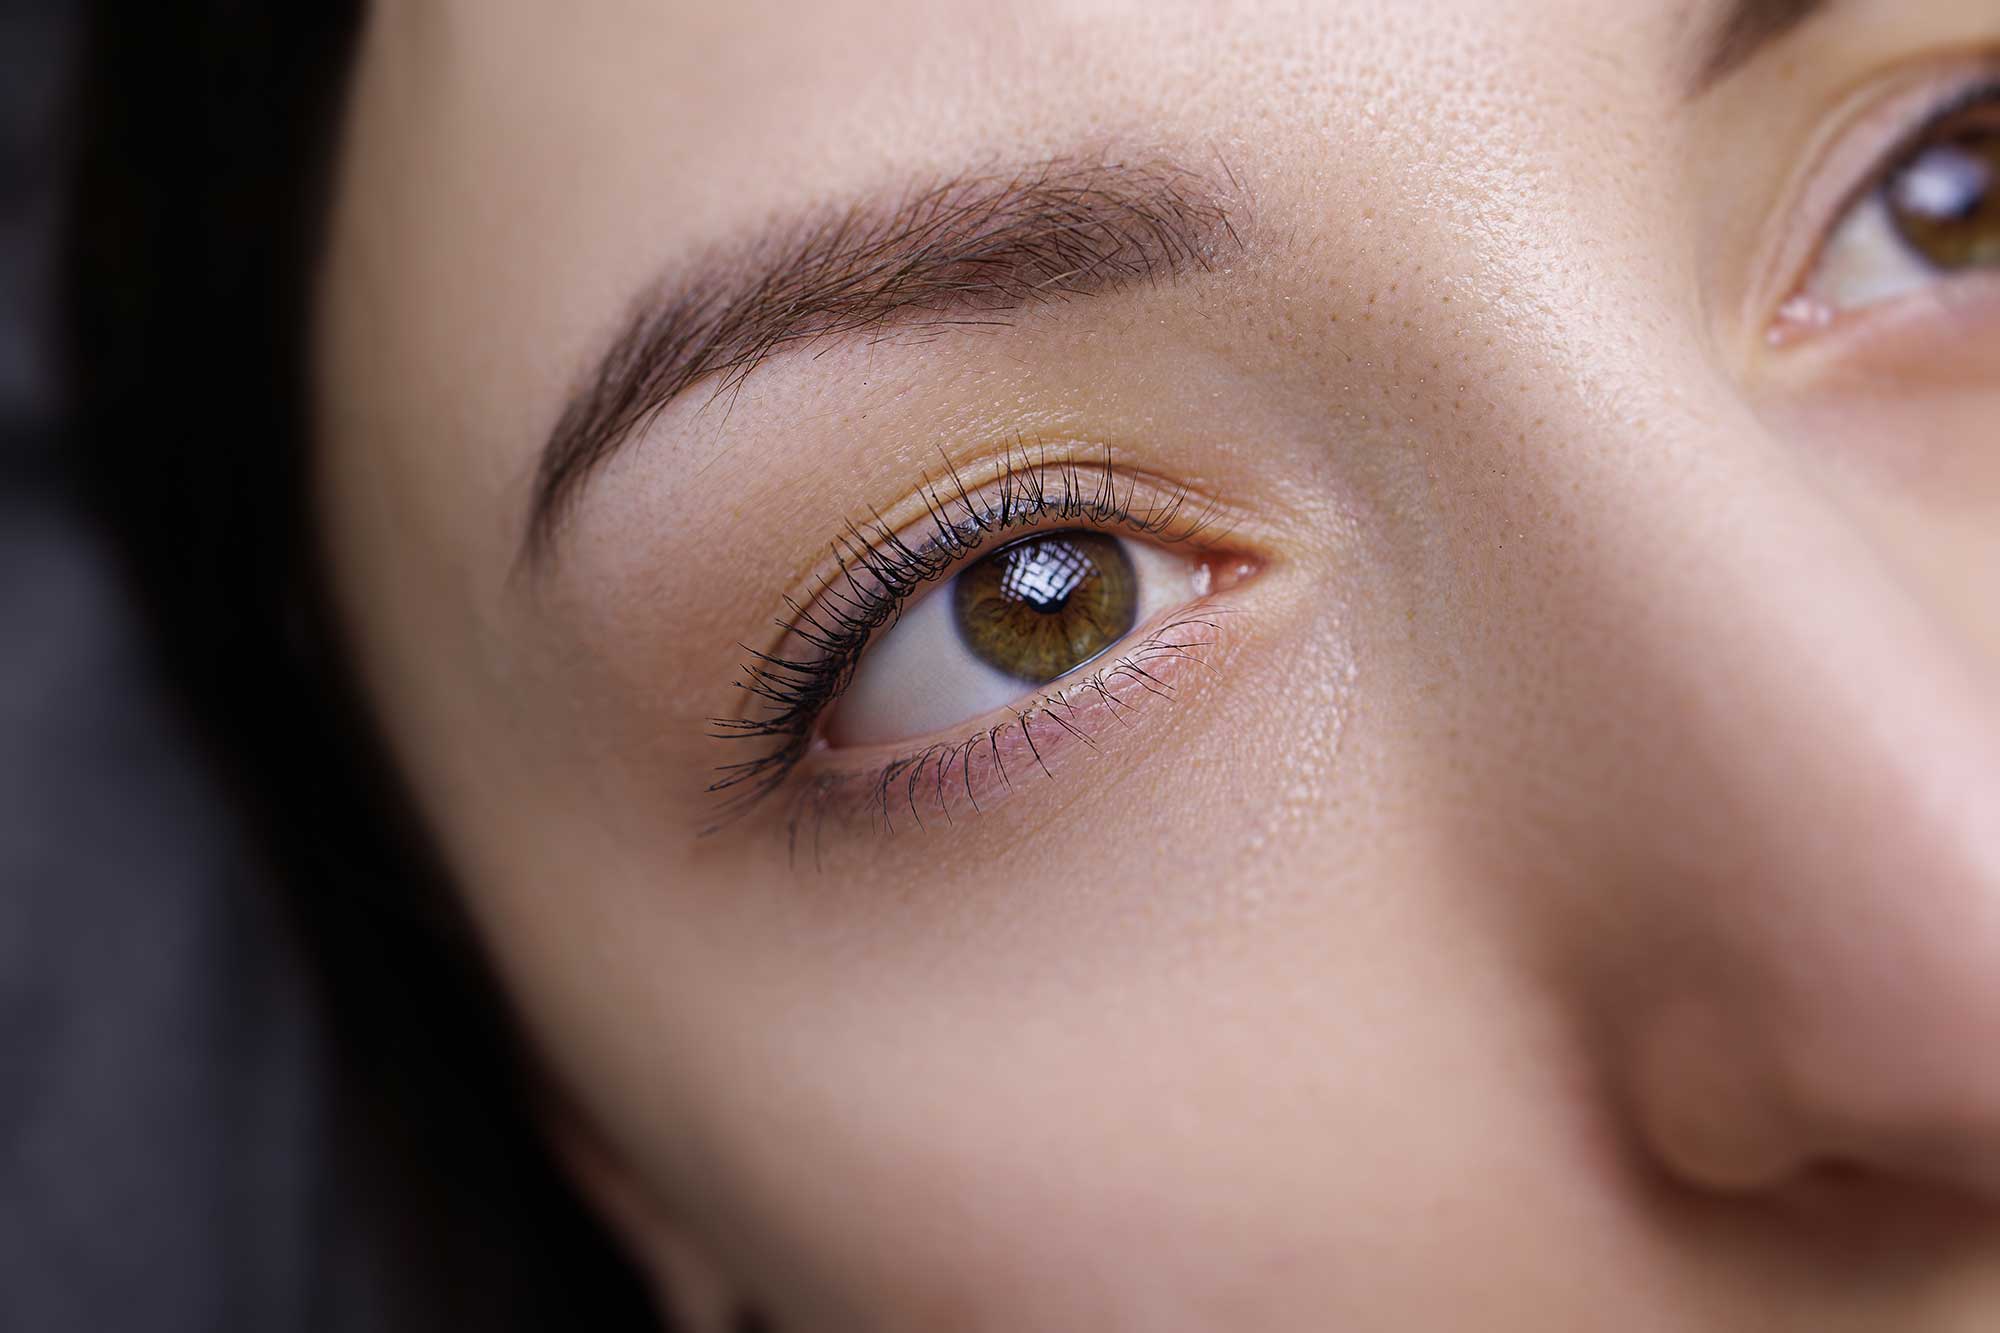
x,y
1006,623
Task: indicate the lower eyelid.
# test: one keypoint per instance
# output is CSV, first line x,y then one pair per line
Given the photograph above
x,y
1935,336
978,767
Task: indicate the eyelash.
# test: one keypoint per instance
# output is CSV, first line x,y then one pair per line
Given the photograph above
x,y
878,570
1981,92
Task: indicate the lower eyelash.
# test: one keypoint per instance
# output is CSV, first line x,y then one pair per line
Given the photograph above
x,y
937,777
878,570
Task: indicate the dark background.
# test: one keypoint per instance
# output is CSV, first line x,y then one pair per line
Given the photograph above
x,y
161,1069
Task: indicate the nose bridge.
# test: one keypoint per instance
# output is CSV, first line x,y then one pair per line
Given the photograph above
x,y
1817,861
1843,727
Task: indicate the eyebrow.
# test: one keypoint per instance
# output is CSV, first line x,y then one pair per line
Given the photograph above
x,y
965,252
1746,30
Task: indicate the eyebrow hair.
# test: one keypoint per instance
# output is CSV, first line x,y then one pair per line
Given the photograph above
x,y
1747,29
967,251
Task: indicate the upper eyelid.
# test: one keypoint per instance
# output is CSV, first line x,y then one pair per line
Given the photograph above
x,y
1209,520
787,631
1027,531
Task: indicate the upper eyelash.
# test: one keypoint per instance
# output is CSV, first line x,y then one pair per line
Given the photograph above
x,y
877,571
1979,94
1912,145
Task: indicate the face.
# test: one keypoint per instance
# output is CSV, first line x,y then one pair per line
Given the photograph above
x,y
1183,667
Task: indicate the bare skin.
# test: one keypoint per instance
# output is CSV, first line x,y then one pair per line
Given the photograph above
x,y
1559,887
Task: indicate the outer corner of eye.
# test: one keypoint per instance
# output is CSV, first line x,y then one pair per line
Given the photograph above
x,y
1931,218
1012,621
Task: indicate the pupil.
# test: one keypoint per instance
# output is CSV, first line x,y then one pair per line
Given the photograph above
x,y
1042,575
1044,605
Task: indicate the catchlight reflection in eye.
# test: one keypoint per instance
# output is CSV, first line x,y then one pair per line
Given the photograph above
x,y
1019,617
1935,215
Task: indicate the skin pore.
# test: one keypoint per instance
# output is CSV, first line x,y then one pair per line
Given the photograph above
x,y
1557,878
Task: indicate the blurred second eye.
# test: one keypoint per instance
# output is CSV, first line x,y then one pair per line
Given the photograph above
x,y
1020,617
1934,216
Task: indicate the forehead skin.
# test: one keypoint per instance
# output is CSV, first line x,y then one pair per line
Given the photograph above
x,y
1293,1009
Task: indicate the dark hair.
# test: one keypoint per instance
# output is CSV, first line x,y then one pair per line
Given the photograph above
x,y
207,133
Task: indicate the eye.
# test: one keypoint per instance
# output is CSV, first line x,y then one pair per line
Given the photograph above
x,y
1042,593
1020,617
1934,215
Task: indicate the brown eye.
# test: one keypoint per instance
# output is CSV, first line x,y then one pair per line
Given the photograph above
x,y
1945,199
1042,606
1008,623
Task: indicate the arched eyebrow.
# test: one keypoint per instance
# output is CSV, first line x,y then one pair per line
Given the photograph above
x,y
969,251
1746,29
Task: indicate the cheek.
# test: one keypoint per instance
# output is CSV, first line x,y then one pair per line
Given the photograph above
x,y
1266,1121
1207,1038
1939,449
1921,475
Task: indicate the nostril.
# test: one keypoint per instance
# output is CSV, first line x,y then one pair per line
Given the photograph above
x,y
1872,1217
1822,1109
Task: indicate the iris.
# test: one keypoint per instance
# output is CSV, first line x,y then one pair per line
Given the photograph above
x,y
1042,606
1945,200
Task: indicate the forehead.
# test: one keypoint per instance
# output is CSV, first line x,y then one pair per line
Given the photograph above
x,y
513,176
719,110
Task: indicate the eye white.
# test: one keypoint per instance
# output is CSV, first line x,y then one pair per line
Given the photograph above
x,y
1866,260
918,677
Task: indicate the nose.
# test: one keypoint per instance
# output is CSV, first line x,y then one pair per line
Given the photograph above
x,y
1810,985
